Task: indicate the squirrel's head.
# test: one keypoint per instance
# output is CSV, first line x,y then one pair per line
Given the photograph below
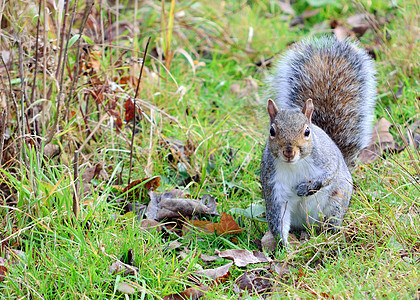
x,y
290,137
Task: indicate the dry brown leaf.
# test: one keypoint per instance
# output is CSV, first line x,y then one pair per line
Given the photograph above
x,y
118,267
117,119
51,150
342,32
414,134
382,141
286,8
208,258
280,268
243,257
150,225
255,281
268,242
88,175
129,110
140,187
3,273
360,22
192,293
173,245
220,274
227,225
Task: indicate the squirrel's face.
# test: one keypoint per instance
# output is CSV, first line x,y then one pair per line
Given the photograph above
x,y
290,137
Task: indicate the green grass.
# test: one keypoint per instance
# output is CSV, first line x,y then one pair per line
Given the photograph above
x,y
376,255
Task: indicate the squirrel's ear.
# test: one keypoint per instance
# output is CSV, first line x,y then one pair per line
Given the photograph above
x,y
308,109
272,109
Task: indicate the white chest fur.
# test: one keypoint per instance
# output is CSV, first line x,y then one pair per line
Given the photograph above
x,y
303,210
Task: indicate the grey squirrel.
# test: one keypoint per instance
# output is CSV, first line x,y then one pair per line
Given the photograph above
x,y
324,92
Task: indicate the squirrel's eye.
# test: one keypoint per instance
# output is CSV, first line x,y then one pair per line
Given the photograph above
x,y
272,131
307,132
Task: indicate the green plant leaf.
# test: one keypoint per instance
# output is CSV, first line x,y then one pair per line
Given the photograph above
x,y
76,37
252,212
318,3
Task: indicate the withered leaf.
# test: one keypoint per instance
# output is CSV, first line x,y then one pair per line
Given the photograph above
x,y
88,175
135,189
118,121
414,134
268,242
3,273
286,7
360,22
208,258
51,150
192,293
342,32
126,288
280,268
118,267
220,273
167,205
257,281
243,257
129,110
382,141
150,225
226,225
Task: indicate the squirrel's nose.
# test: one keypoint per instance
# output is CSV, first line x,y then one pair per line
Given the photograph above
x,y
288,153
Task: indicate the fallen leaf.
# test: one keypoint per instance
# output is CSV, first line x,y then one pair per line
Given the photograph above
x,y
51,150
280,268
414,134
227,225
173,245
360,23
137,189
342,32
92,173
208,258
126,288
118,122
3,273
268,242
150,225
286,8
299,19
255,281
192,293
97,95
167,205
118,267
243,257
129,111
382,142
220,274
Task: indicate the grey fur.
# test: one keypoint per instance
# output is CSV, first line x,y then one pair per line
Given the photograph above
x,y
286,79
316,188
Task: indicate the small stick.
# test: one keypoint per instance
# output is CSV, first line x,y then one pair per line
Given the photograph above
x,y
60,55
76,179
88,9
36,52
134,120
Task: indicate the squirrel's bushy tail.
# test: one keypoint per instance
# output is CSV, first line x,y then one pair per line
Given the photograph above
x,y
340,79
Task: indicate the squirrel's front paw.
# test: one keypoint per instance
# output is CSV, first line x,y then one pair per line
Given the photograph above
x,y
308,188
